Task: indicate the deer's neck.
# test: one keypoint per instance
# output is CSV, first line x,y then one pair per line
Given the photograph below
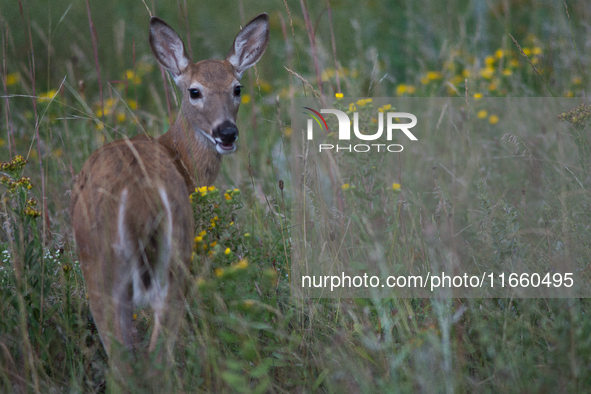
x,y
194,155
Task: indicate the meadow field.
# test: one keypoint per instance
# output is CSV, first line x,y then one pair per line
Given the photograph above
x,y
501,182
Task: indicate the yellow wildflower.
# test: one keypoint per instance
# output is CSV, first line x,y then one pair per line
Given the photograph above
x,y
47,95
345,186
457,79
242,264
482,114
227,197
499,53
132,77
489,61
327,74
396,186
248,303
245,99
265,86
219,272
487,72
527,51
431,75
507,72
577,80
401,89
100,112
132,104
13,79
338,95
537,50
493,119
477,96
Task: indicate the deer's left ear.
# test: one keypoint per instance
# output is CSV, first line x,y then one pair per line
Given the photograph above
x,y
250,44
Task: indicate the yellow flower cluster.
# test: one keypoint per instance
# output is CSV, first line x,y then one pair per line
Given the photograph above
x,y
330,73
403,89
363,102
110,107
240,265
132,77
213,222
49,95
24,182
231,193
431,76
483,114
30,209
385,107
200,244
203,190
199,238
135,76
16,164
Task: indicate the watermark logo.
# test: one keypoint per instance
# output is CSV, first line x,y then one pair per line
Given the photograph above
x,y
344,130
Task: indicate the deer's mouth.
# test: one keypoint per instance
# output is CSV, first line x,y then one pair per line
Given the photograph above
x,y
224,148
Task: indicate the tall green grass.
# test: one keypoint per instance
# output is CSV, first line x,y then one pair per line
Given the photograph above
x,y
69,88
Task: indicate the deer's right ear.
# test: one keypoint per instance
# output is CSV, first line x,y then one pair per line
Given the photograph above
x,y
168,48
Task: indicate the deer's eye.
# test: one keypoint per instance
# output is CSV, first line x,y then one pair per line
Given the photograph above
x,y
237,90
194,93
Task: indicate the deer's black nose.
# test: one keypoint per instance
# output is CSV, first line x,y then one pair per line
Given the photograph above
x,y
227,132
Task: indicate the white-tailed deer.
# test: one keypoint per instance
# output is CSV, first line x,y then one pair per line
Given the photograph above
x,y
131,214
